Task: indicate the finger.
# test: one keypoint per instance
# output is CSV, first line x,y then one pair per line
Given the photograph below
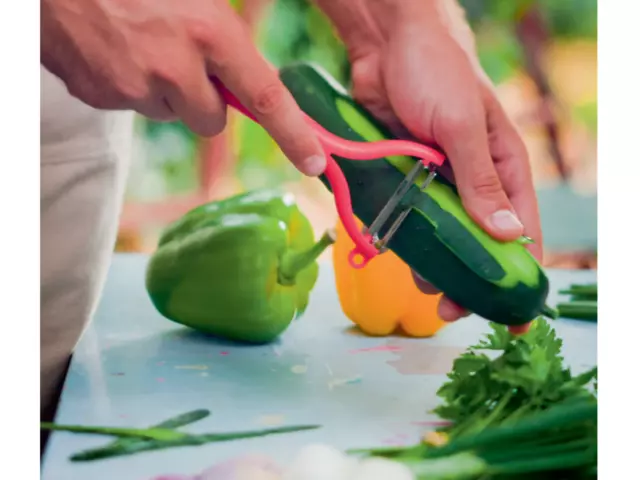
x,y
238,64
450,311
519,329
154,107
423,285
158,111
369,91
463,136
512,164
190,95
138,93
199,107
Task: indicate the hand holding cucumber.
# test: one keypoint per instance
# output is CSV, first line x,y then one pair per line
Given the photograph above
x,y
414,67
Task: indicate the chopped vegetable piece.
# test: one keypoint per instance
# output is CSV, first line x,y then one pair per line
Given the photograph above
x,y
583,304
586,291
579,310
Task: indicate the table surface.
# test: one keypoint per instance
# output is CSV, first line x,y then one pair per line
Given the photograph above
x,y
132,367
569,218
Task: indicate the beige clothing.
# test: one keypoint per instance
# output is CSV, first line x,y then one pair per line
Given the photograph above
x,y
83,164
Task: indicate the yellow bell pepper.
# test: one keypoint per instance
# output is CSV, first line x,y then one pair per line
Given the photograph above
x,y
382,297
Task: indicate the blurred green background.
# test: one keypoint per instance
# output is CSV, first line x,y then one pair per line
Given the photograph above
x,y
542,56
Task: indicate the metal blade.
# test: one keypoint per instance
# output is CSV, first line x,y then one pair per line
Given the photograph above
x,y
398,221
397,196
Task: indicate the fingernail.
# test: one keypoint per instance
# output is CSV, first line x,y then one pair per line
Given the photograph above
x,y
314,165
505,221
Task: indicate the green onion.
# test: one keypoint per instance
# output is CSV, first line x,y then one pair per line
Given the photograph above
x,y
188,440
163,434
587,291
174,422
579,310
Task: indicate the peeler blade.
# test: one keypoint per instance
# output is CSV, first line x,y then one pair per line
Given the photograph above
x,y
392,203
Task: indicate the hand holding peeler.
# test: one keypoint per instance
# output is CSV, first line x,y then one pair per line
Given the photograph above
x,y
367,242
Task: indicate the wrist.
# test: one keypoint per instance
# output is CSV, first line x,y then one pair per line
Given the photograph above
x,y
372,22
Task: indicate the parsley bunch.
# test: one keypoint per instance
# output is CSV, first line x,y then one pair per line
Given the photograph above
x,y
504,378
516,411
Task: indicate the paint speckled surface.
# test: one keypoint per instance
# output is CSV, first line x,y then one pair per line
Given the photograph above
x,y
134,368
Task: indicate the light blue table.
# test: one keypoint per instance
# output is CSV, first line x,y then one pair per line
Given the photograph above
x,y
569,219
134,368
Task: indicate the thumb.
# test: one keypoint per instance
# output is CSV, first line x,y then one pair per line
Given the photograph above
x,y
465,141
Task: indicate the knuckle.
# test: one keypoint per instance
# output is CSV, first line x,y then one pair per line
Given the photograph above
x,y
203,32
268,99
486,184
458,123
168,72
132,90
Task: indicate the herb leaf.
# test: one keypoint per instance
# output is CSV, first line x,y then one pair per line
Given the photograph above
x,y
528,375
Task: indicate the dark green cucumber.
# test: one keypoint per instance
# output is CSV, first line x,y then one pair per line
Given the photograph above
x,y
499,281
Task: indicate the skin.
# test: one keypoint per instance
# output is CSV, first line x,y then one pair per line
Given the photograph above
x,y
414,66
157,56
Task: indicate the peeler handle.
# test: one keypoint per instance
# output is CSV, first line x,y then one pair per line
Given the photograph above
x,y
364,249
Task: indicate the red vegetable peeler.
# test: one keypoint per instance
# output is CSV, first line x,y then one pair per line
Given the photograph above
x,y
367,242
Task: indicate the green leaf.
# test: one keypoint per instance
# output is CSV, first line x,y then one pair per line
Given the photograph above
x,y
498,340
469,363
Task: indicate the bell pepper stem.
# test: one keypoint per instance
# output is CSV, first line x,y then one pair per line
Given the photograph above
x,y
293,263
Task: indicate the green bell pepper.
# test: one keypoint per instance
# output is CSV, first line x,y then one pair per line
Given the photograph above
x,y
241,268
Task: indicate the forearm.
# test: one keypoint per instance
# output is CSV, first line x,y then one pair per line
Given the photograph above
x,y
360,20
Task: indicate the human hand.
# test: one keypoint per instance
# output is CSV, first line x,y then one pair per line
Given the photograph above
x,y
418,74
157,57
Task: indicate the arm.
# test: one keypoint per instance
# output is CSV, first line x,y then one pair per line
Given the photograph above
x,y
158,57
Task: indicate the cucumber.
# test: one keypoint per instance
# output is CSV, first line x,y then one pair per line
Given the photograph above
x,y
500,281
